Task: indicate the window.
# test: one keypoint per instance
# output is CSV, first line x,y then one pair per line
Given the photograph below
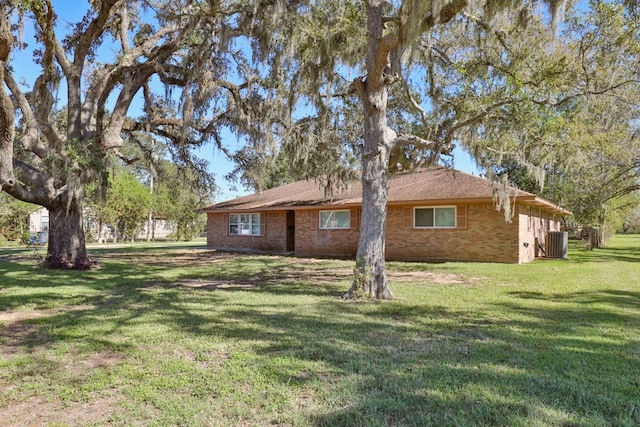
x,y
335,219
440,217
245,224
528,219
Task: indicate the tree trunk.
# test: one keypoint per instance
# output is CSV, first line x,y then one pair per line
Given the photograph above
x,y
66,247
6,139
150,223
370,276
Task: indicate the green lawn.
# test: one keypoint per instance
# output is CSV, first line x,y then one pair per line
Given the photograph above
x,y
162,335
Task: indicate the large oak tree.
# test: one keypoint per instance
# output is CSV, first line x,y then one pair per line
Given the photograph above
x,y
404,81
179,66
400,83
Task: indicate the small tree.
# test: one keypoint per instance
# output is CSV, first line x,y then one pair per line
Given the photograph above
x,y
127,204
180,194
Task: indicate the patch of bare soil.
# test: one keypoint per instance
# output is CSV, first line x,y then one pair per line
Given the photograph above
x,y
22,257
213,284
16,331
16,328
40,412
181,258
301,270
426,276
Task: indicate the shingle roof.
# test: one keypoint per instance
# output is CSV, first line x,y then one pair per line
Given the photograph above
x,y
430,186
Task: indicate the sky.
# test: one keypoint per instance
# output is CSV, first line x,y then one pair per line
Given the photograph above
x,y
72,11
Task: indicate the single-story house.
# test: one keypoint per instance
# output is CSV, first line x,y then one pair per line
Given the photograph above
x,y
433,214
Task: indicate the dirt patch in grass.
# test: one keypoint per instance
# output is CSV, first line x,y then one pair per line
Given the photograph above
x,y
212,284
428,276
178,258
15,330
98,360
18,329
40,412
294,270
333,276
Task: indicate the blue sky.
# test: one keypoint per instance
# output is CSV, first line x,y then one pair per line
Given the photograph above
x,y
70,12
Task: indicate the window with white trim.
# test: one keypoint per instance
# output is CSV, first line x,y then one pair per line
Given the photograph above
x,y
434,217
330,220
245,224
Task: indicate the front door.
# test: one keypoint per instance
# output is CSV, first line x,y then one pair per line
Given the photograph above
x,y
291,231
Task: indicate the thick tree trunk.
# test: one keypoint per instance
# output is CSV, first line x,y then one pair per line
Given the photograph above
x,y
370,276
66,245
6,139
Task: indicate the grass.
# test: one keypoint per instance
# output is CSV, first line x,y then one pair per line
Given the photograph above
x,y
164,335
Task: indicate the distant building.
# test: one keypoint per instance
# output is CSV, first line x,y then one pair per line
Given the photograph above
x,y
39,221
634,226
162,229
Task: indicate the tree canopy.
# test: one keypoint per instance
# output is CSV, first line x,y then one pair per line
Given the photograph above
x,y
588,159
319,85
399,84
184,62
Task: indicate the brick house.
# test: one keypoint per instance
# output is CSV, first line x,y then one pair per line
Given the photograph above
x,y
433,214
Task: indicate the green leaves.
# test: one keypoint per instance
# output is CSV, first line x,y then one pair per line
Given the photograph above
x,y
128,204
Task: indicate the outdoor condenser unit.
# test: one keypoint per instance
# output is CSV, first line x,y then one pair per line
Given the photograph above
x,y
557,244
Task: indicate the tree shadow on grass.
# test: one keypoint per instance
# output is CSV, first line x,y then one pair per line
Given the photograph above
x,y
421,370
578,252
375,363
610,297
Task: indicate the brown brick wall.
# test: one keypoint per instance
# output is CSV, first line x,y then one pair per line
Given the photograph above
x,y
273,238
487,237
311,240
536,228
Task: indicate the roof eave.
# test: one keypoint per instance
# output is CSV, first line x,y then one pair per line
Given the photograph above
x,y
530,200
542,203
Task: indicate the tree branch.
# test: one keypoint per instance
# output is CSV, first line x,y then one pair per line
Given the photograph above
x,y
30,136
41,188
141,73
447,13
107,78
408,139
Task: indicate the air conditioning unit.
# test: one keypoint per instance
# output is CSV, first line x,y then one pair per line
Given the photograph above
x,y
557,244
